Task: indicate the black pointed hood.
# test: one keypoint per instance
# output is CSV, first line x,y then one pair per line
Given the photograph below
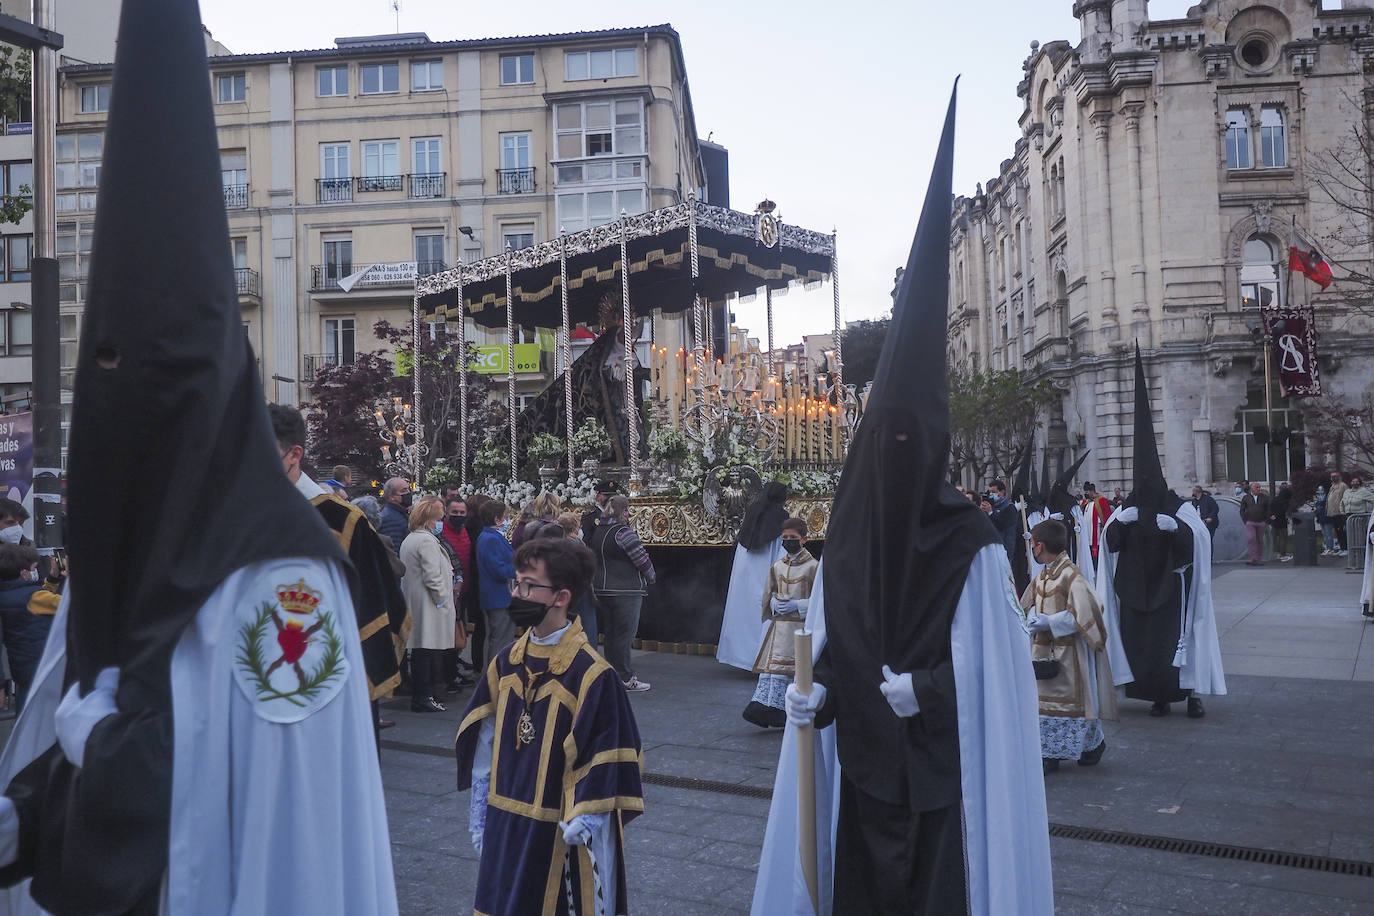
x,y
1060,499
1021,488
1046,482
901,538
174,476
762,523
1148,486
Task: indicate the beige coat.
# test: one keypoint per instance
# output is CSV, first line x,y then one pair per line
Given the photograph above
x,y
789,577
428,587
1062,592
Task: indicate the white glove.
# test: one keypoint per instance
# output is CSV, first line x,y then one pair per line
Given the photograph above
x,y
1040,623
476,841
901,696
77,715
9,832
579,830
801,708
1166,522
1131,514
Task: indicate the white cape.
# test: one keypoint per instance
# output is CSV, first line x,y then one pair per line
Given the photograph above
x,y
266,817
742,629
1201,670
1083,531
1006,835
1367,589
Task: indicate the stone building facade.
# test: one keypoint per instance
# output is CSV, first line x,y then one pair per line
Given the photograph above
x,y
1150,198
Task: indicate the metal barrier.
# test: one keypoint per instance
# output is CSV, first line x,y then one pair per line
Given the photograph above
x,y
1356,541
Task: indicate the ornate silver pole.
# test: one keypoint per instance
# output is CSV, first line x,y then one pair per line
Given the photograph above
x,y
835,288
462,386
631,414
768,299
416,446
696,301
510,366
567,347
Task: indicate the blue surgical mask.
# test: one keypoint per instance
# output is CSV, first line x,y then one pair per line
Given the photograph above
x,y
1239,491
438,527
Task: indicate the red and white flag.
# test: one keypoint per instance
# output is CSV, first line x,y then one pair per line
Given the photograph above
x,y
1305,257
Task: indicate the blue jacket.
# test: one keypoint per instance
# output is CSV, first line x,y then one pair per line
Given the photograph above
x,y
495,569
394,524
25,633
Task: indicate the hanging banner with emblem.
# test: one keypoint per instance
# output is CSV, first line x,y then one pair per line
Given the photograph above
x,y
1293,336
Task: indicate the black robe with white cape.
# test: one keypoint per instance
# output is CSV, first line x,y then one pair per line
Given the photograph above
x,y
1005,844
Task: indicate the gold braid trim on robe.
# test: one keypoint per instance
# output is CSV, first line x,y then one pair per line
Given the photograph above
x,y
1059,587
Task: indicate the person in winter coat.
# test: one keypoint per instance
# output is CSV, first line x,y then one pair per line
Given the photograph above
x,y
623,574
25,633
1279,509
429,595
495,569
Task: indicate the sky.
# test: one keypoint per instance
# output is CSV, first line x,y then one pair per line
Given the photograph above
x,y
833,110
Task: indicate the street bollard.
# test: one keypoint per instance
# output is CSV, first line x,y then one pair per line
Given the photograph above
x,y
1305,536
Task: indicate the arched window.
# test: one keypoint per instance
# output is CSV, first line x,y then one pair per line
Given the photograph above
x,y
1259,275
1273,141
1237,139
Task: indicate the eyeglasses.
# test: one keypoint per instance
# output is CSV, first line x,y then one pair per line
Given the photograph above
x,y
523,587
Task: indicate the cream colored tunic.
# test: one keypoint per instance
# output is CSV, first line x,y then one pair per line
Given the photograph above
x,y
1083,688
790,577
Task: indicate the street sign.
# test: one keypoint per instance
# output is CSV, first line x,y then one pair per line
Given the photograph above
x,y
490,359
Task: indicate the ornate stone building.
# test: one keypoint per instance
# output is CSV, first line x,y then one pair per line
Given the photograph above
x,y
1150,198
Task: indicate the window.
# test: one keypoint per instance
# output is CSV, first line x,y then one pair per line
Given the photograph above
x,y
230,87
429,253
18,256
381,166
1237,139
17,179
1259,276
66,331
336,174
517,236
1247,459
238,247
95,98
73,258
1273,143
596,65
376,78
233,170
16,332
331,80
516,175
517,69
339,339
596,208
338,256
78,166
426,75
612,128
426,173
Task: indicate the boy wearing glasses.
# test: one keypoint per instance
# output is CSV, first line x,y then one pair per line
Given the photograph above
x,y
785,600
551,751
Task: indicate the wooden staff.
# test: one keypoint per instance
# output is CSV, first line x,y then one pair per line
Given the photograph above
x,y
806,776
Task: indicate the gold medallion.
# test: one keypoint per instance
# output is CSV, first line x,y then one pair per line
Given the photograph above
x,y
524,731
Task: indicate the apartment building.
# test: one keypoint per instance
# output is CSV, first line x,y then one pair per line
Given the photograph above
x,y
347,170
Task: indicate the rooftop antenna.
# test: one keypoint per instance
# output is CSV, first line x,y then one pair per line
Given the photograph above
x,y
396,8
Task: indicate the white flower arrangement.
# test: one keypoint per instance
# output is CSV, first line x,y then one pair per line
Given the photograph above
x,y
440,474
491,461
580,492
546,448
512,492
590,440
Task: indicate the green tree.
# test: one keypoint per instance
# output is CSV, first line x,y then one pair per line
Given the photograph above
x,y
861,342
992,414
16,104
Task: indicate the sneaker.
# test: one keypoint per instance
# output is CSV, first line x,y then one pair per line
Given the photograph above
x,y
1342,553
635,685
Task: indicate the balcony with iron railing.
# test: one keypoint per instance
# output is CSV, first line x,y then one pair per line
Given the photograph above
x,y
427,185
516,181
235,196
333,190
370,184
426,268
324,278
312,363
247,283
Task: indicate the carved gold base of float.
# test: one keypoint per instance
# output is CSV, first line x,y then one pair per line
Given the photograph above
x,y
666,522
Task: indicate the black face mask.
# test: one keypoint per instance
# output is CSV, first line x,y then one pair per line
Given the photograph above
x,y
405,501
457,521
526,613
791,545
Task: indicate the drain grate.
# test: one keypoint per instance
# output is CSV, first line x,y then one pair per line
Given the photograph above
x,y
1254,854
1215,850
707,785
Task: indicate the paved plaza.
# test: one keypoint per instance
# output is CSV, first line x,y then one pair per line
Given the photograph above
x,y
1283,764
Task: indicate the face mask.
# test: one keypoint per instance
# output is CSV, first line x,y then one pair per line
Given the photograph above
x,y
438,527
791,545
526,613
405,501
12,534
1238,491
504,526
457,521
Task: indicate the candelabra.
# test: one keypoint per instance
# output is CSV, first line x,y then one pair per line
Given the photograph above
x,y
405,449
